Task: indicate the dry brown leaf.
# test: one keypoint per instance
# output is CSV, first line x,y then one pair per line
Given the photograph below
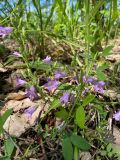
x,y
113,94
18,123
113,57
16,96
17,105
12,78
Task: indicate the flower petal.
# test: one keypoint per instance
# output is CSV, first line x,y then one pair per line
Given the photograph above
x,y
47,60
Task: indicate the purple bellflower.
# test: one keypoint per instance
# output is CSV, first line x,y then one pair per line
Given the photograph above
x,y
99,87
20,81
32,93
47,60
29,111
51,85
5,30
116,116
90,80
17,54
58,75
65,98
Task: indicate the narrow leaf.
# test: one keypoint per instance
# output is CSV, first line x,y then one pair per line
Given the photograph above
x,y
107,51
67,149
80,117
9,147
3,118
55,104
100,75
88,99
80,142
62,114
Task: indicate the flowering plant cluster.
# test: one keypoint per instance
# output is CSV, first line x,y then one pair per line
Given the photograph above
x,y
97,86
31,94
52,84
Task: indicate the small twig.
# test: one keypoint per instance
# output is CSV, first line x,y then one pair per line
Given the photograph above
x,y
43,150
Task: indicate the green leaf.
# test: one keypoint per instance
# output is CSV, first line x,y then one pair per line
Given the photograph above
x,y
101,75
3,118
9,147
62,114
65,87
67,149
80,142
5,158
88,99
55,104
80,117
107,50
40,66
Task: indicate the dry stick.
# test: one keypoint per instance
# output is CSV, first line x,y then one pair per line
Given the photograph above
x,y
43,150
7,134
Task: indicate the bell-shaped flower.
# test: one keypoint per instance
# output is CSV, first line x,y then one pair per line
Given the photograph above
x,y
51,85
47,60
5,31
65,98
116,116
20,81
29,111
17,54
58,75
32,93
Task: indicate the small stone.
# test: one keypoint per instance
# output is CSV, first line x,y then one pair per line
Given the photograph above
x,y
85,156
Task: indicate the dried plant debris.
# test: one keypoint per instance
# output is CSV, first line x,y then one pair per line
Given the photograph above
x,y
114,58
113,94
116,142
25,115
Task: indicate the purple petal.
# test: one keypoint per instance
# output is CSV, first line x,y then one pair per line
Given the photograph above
x,y
20,81
32,93
51,85
17,54
101,83
29,111
116,116
64,99
5,30
84,79
91,80
58,75
99,87
85,91
47,60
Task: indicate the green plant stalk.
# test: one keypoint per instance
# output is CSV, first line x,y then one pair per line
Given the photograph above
x,y
76,150
76,153
109,21
37,5
87,34
41,27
